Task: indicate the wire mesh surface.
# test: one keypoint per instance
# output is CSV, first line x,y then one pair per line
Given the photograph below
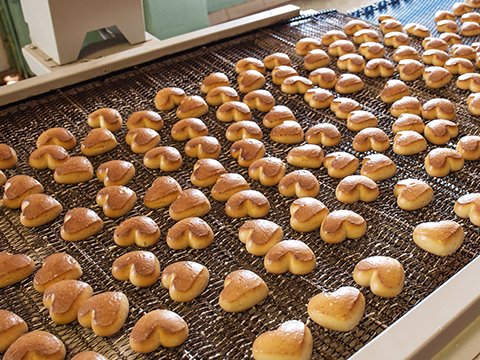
x,y
215,334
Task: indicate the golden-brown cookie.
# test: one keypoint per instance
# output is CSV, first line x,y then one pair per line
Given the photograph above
x,y
185,280
341,47
282,72
318,98
64,298
98,141
89,355
57,136
17,188
438,109
333,35
227,185
249,203
325,134
394,90
192,106
221,94
158,328
288,132
8,157
303,46
141,140
349,84
410,70
412,194
470,16
75,170
440,131
163,191
190,202
3,178
444,15
165,158
355,188
249,63
104,313
141,231
390,25
408,142
342,106
190,232
141,268
416,30
436,77
371,139
80,224
55,268
268,170
469,147
261,100
188,128
355,25
233,111
440,162
296,85
299,183
13,326
406,105
460,8
306,156
408,122
105,118
323,77
14,268
435,57
206,172
116,200
115,172
250,80
246,151
340,164
39,209
468,207
242,290
473,102
429,43
276,59
470,28
307,214
379,67
359,119
371,50
440,238
469,81
396,39
404,52
214,80
340,225
48,157
451,38
277,116
463,51
366,35
291,256
316,58
203,147
378,167
145,119
447,26
259,235
169,98
243,130
36,345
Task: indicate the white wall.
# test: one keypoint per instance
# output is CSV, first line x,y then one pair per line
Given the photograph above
x,y
4,65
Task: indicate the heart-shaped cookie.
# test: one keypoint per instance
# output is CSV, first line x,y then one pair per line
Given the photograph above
x,y
242,290
292,340
14,268
190,232
55,268
39,209
116,201
17,188
190,202
290,256
384,275
158,328
13,326
140,267
163,192
185,280
139,230
64,298
340,310
260,235
80,224
105,313
116,172
36,345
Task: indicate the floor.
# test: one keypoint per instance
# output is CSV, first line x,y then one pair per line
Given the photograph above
x,y
340,5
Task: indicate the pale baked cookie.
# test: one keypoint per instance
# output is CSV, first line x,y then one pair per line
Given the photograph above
x,y
406,105
463,51
14,268
378,167
106,118
469,147
158,328
396,39
366,35
359,119
277,116
55,268
371,50
141,231
318,98
291,256
342,106
315,59
417,30
405,52
353,63
296,85
276,59
249,63
390,25
438,109
468,207
444,15
434,43
408,142
355,25
13,326
57,136
349,84
470,16
379,67
459,66
288,132
141,140
394,90
447,26
48,157
412,194
250,80
36,345
451,38
188,128
324,77
469,81
333,35
410,70
473,102
233,111
163,191
169,98
436,77
435,57
460,8
214,80
259,235
39,209
299,183
341,47
165,158
291,340
206,172
104,313
145,119
371,139
185,280
242,290
440,238
243,130
261,100
268,170
324,134
440,162
17,188
340,225
249,203
220,95
64,298
115,172
190,202
98,141
190,232
80,224
440,131
304,45
227,185
75,170
340,310
203,147
282,72
307,214
470,28
340,164
192,106
141,268
355,188
116,201
306,156
408,122
246,151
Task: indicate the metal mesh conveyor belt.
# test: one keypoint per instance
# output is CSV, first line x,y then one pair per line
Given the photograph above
x,y
215,334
